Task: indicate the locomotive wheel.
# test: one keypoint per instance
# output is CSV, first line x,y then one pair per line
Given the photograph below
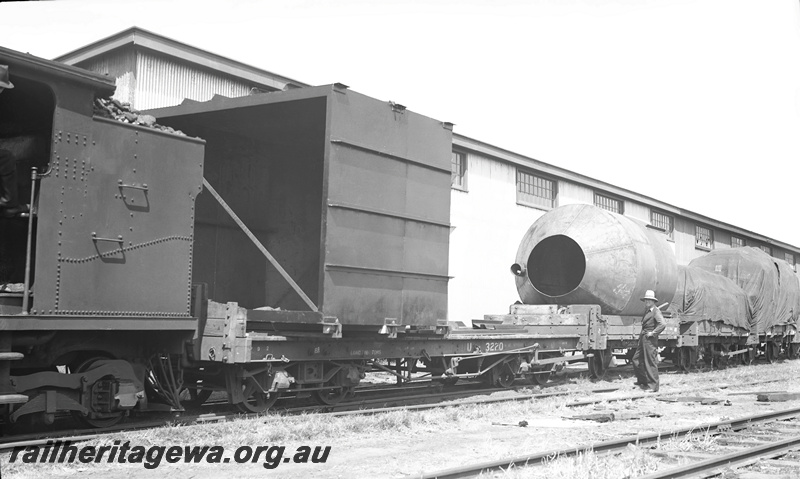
x,y
255,400
772,350
599,363
330,397
108,421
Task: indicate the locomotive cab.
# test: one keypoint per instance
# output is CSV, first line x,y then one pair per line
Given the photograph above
x,y
26,122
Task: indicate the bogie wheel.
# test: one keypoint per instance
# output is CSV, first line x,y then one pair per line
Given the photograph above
x,y
719,358
708,356
772,350
504,376
752,352
687,358
332,396
255,399
744,358
792,350
599,363
107,419
540,376
629,355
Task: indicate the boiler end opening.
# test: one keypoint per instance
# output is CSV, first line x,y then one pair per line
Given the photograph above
x,y
556,265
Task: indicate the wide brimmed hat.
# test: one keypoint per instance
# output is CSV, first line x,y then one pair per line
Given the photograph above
x,y
650,294
4,81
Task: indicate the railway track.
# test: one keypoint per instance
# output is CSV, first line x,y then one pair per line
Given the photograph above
x,y
743,441
362,407
417,402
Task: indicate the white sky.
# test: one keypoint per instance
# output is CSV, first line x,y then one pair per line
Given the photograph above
x,y
696,103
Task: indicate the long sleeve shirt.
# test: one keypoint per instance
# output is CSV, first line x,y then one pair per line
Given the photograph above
x,y
653,321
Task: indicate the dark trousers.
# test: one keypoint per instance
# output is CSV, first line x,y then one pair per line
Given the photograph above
x,y
645,361
8,179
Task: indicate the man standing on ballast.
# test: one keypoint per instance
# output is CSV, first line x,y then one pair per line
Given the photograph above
x,y
645,359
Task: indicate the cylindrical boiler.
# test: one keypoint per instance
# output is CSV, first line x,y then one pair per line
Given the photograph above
x,y
582,254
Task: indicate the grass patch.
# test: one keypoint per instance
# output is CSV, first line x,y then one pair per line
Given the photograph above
x,y
633,462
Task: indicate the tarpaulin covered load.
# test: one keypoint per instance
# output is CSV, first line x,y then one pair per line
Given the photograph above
x,y
704,296
790,287
771,300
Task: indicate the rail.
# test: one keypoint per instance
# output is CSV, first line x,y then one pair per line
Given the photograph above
x,y
472,470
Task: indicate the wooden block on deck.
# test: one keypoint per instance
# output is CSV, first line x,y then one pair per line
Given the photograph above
x,y
778,397
533,309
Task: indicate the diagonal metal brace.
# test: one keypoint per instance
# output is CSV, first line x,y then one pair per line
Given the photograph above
x,y
260,246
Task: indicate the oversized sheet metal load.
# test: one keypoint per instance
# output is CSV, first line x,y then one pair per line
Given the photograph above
x,y
771,287
705,297
582,254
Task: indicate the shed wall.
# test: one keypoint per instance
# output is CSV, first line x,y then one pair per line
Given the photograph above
x,y
162,81
121,65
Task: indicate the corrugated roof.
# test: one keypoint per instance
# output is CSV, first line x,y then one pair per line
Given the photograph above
x,y
159,43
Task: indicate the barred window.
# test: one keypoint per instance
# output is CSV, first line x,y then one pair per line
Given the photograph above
x,y
766,249
662,222
789,257
609,203
737,242
533,190
458,178
703,237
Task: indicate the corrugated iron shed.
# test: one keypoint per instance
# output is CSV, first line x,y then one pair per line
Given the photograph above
x,y
153,71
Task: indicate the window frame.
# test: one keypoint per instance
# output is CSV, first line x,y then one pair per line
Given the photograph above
x,y
790,256
671,232
765,248
697,243
536,175
743,240
464,162
612,198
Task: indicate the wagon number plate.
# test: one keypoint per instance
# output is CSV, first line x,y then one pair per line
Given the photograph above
x,y
491,347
